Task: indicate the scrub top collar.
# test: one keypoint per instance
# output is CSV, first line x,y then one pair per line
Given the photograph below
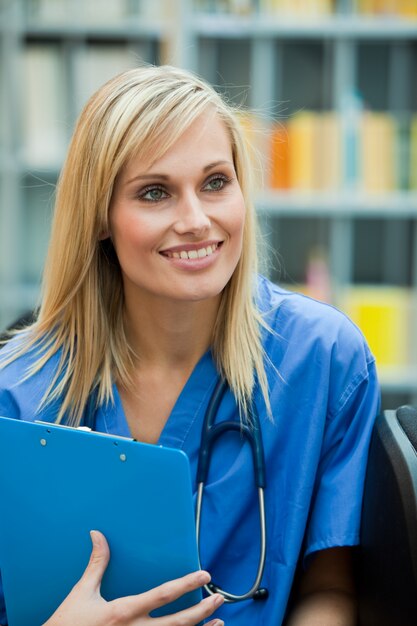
x,y
111,418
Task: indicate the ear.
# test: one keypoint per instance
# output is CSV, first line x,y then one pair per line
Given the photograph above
x,y
104,235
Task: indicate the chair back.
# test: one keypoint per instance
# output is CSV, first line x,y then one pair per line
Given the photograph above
x,y
388,554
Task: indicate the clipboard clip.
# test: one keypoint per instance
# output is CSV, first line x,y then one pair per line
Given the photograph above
x,y
83,429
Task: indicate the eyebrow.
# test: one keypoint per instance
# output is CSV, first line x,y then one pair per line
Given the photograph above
x,y
155,175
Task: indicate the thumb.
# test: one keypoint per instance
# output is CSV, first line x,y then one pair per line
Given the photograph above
x,y
98,562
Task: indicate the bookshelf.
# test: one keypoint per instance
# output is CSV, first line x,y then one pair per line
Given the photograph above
x,y
334,70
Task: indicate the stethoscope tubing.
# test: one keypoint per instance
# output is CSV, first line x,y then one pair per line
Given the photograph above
x,y
252,433
210,433
255,589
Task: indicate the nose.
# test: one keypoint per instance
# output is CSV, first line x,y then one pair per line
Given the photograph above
x,y
191,216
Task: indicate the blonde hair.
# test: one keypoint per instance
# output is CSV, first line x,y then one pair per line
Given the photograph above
x,y
142,111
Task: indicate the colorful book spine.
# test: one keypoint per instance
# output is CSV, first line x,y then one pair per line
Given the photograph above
x,y
303,8
374,153
100,62
303,137
279,157
402,154
401,8
384,316
413,154
408,8
322,151
306,8
329,152
236,7
306,152
351,113
44,109
378,134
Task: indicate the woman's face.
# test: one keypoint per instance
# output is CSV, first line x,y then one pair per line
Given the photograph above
x,y
177,224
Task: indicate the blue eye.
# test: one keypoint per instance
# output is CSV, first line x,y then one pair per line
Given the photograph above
x,y
216,183
153,194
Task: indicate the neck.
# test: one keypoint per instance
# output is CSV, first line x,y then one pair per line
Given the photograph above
x,y
170,334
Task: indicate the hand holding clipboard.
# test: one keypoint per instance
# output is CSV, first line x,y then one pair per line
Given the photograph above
x,y
58,484
86,606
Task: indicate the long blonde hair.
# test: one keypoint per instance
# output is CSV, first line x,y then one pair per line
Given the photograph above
x,y
140,112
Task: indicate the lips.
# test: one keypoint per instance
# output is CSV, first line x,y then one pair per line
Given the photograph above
x,y
191,251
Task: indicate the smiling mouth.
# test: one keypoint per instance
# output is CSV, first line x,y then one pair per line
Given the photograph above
x,y
199,253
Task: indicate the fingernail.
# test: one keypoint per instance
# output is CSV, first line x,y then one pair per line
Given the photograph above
x,y
218,622
218,599
95,538
203,577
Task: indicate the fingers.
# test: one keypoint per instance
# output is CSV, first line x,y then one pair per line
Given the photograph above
x,y
195,614
174,589
144,603
99,559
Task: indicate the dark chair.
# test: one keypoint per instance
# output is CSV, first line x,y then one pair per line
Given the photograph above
x,y
387,575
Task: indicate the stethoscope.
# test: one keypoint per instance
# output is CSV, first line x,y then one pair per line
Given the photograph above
x,y
252,432
209,435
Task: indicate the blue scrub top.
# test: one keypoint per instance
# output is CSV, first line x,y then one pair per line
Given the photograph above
x,y
324,396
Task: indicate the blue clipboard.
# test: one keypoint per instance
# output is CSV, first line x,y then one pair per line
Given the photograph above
x,y
57,484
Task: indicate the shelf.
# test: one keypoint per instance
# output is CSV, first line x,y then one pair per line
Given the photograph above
x,y
312,62
338,204
125,31
335,27
398,380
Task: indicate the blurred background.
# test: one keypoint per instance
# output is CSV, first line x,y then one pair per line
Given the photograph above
x,y
328,98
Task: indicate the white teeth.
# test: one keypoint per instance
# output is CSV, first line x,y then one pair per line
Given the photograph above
x,y
193,254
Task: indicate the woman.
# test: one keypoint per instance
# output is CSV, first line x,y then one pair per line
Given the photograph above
x,y
150,294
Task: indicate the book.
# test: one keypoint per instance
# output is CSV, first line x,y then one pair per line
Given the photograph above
x,y
407,8
413,153
328,156
45,117
48,11
350,120
402,153
97,12
378,132
98,62
302,8
279,155
303,138
383,315
404,8
365,151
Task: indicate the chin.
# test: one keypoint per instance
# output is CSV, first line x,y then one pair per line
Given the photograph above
x,y
198,297
198,294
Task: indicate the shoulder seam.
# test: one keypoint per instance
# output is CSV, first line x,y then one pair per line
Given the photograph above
x,y
357,380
